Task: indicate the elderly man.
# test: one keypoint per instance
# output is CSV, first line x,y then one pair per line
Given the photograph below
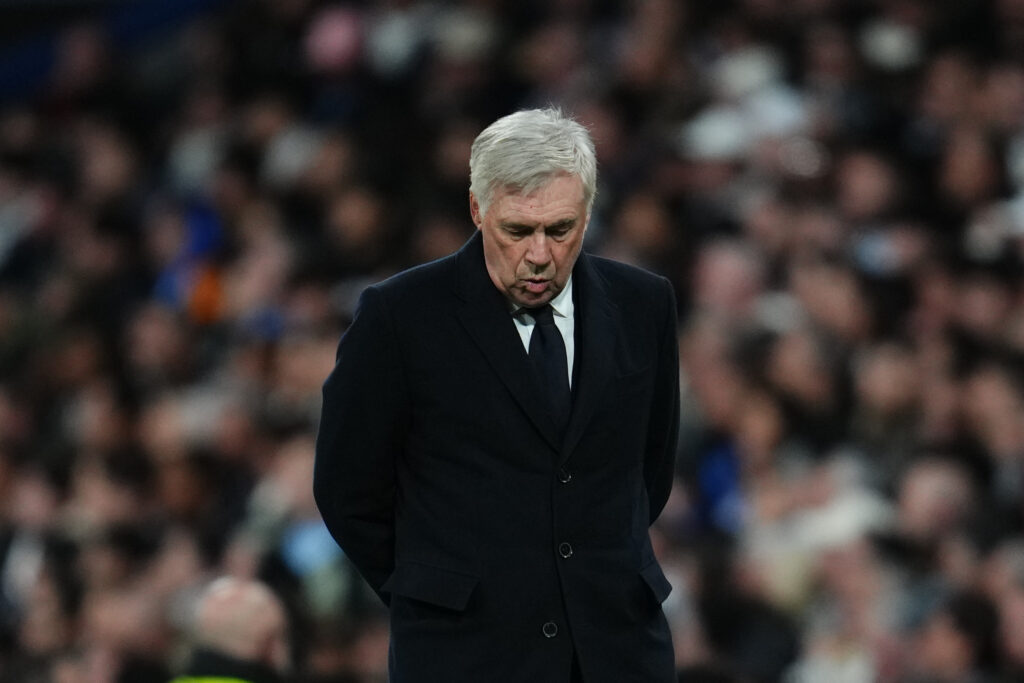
x,y
498,434
240,633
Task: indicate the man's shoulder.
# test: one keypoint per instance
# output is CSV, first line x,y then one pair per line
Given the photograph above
x,y
620,276
419,281
644,298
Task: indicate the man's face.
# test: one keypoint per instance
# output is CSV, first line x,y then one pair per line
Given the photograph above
x,y
531,242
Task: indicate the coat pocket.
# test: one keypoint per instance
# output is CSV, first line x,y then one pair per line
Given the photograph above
x,y
633,379
656,581
433,585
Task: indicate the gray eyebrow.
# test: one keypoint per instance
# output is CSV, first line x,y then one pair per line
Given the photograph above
x,y
553,226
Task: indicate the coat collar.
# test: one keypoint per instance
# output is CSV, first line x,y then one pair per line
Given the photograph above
x,y
484,313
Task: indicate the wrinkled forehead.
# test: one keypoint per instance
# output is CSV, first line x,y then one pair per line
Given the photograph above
x,y
560,183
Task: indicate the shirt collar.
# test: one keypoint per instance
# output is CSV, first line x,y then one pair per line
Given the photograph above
x,y
561,305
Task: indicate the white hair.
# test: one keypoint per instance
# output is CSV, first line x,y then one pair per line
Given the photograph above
x,y
524,151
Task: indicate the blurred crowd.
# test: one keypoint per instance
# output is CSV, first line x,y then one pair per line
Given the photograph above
x,y
835,187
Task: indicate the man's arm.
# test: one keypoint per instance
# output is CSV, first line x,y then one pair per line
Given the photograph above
x,y
362,431
659,462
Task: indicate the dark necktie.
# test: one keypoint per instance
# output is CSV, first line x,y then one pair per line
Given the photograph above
x,y
547,352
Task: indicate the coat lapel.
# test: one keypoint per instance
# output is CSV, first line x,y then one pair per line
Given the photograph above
x,y
485,315
596,332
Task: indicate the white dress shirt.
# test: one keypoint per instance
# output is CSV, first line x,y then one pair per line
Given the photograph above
x,y
564,315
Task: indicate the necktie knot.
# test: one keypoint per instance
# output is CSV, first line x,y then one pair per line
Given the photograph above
x,y
544,315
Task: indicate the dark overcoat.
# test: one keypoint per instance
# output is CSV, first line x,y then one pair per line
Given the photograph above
x,y
501,546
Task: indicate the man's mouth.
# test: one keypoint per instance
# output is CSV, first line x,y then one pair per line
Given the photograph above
x,y
536,285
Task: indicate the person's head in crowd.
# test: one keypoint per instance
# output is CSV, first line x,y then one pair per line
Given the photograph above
x,y
833,296
1002,581
867,186
99,417
110,489
983,301
802,367
992,401
816,230
936,495
158,348
186,486
109,557
551,55
1001,96
960,640
886,380
1010,601
947,77
970,172
33,499
1003,572
450,153
299,362
760,427
108,168
728,278
1012,630
50,612
125,621
650,60
357,226
712,376
333,166
830,59
83,61
241,629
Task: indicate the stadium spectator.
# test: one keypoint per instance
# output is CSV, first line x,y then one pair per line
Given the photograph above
x,y
241,634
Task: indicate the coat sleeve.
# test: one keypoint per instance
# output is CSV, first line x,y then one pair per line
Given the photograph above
x,y
362,431
659,462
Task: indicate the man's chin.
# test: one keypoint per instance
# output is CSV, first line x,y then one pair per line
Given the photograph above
x,y
530,299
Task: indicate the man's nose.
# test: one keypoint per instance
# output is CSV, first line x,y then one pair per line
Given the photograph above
x,y
538,252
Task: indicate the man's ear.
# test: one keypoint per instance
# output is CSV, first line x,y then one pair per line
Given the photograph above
x,y
474,211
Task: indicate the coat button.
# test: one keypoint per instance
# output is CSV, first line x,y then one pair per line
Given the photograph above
x,y
550,629
564,476
565,550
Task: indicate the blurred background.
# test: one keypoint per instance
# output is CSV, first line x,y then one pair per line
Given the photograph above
x,y
193,194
